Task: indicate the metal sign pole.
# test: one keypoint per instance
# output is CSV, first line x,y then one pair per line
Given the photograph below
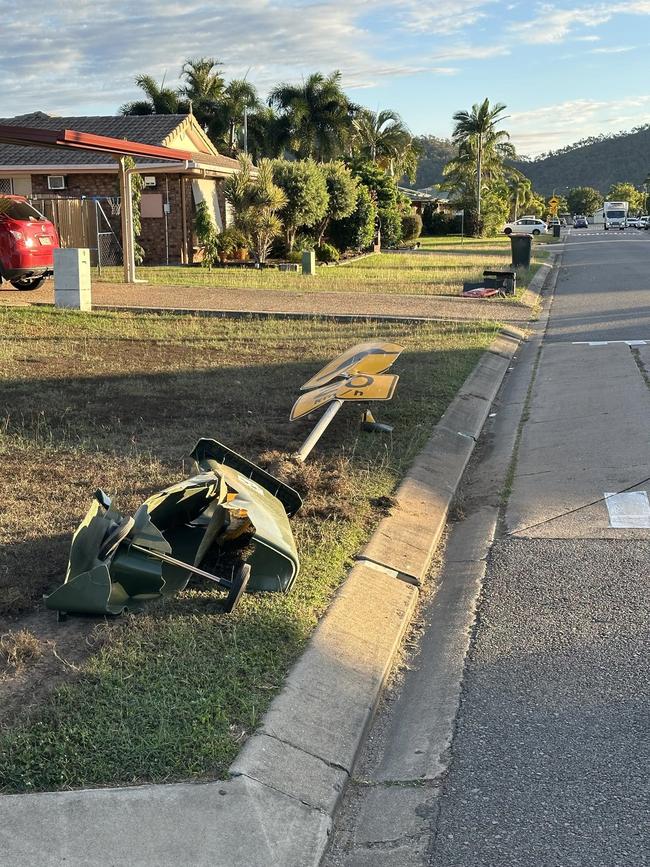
x,y
318,431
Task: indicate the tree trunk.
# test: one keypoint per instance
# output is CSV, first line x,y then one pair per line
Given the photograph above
x,y
479,167
322,229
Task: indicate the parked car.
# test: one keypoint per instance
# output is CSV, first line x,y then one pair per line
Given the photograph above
x,y
580,222
27,243
530,225
638,222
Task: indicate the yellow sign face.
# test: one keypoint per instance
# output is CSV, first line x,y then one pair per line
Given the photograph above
x,y
372,358
359,386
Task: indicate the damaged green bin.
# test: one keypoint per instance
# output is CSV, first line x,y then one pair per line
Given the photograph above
x,y
117,563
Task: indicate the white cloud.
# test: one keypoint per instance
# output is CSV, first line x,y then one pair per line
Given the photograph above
x,y
613,49
555,24
443,17
555,126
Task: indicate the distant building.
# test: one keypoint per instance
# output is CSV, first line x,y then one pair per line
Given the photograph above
x,y
438,199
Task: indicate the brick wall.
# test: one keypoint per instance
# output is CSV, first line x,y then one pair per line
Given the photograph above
x,y
152,236
78,185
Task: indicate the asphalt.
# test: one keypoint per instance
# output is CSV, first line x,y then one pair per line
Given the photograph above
x,y
519,737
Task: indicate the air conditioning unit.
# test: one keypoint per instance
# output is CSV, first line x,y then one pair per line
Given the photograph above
x,y
56,182
149,181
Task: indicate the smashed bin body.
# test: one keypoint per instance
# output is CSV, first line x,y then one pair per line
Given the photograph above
x,y
117,563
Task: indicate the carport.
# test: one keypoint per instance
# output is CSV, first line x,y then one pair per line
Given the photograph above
x,y
170,161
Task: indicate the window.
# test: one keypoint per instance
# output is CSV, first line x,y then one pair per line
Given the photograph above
x,y
6,185
18,210
56,182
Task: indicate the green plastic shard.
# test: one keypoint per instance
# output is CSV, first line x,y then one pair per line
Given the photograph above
x,y
117,563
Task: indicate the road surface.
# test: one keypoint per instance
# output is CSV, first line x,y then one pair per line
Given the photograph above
x,y
517,734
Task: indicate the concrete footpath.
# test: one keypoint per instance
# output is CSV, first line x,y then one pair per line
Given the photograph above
x,y
277,808
215,301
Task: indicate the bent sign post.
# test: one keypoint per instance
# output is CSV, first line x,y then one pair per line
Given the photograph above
x,y
355,375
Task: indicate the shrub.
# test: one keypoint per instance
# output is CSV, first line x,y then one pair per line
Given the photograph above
x,y
411,226
327,253
304,242
206,235
439,223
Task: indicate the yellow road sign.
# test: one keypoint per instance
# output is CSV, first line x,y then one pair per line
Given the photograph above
x,y
359,386
372,357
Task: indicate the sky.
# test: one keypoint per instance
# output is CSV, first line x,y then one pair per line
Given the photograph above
x,y
565,70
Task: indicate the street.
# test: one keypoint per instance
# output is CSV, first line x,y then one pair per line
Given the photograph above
x,y
517,731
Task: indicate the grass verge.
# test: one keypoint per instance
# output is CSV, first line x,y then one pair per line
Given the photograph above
x,y
390,273
116,400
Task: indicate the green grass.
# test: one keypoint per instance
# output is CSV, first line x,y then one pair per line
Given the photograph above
x,y
392,273
116,400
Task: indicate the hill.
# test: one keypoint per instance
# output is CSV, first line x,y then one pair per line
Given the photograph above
x,y
595,162
435,153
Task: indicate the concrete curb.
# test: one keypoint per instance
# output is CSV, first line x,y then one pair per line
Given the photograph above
x,y
311,734
288,779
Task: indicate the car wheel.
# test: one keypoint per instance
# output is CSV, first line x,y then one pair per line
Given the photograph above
x,y
24,283
535,231
507,231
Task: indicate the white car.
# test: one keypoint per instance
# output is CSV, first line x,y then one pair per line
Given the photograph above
x,y
529,225
638,222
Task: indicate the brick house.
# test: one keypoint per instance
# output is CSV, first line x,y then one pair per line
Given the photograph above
x,y
170,196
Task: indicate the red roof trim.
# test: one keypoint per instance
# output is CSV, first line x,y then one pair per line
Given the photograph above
x,y
70,138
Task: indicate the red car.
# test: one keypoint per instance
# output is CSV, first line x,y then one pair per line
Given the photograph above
x,y
27,243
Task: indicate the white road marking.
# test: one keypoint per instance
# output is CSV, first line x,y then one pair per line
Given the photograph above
x,y
628,511
607,342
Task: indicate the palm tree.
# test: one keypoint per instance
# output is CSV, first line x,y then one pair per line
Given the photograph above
x,y
318,114
240,97
521,191
161,99
203,89
475,132
383,138
268,133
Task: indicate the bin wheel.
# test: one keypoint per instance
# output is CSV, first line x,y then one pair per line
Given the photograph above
x,y
239,584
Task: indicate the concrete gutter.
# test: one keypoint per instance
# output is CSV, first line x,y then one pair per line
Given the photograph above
x,y
287,781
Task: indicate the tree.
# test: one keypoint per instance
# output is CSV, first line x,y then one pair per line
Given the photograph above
x,y
237,99
318,116
305,191
390,204
521,193
137,185
357,231
203,88
341,194
256,201
160,99
475,134
584,200
381,137
626,192
268,133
